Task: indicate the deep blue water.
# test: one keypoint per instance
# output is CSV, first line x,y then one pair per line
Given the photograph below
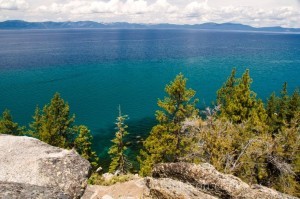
x,y
96,70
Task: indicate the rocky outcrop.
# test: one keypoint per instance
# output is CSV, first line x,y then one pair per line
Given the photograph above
x,y
172,189
184,181
29,166
133,189
206,179
13,190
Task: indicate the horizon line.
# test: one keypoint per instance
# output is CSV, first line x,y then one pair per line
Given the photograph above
x,y
217,23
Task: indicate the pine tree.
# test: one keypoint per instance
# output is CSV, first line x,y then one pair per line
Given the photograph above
x,y
35,126
272,109
282,110
117,151
283,104
294,105
285,159
225,92
54,125
238,101
8,126
83,145
167,142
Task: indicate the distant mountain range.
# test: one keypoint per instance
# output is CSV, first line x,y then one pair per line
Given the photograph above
x,y
18,24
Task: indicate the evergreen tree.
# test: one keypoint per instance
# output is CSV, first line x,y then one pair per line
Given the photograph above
x,y
225,92
238,101
272,111
284,161
283,104
294,105
83,145
8,126
167,142
54,125
35,126
282,110
117,151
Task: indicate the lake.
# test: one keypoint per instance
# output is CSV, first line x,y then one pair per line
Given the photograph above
x,y
96,70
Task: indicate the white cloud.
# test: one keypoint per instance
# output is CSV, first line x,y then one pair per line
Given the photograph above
x,y
129,10
115,7
13,4
278,16
265,13
162,7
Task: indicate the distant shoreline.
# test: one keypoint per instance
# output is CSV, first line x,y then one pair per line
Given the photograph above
x,y
228,27
178,29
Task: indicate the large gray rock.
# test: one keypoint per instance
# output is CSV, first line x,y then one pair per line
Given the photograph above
x,y
29,164
166,188
12,190
207,179
184,181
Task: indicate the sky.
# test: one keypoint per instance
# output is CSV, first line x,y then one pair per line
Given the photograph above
x,y
257,13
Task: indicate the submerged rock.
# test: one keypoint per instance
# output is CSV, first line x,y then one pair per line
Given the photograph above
x,y
30,165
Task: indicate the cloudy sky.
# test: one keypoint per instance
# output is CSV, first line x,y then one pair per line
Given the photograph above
x,y
257,13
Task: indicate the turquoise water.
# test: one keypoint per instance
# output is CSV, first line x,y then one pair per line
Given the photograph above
x,y
96,70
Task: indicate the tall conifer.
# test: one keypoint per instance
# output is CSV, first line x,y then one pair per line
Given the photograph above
x,y
8,126
83,145
119,162
294,105
283,104
54,125
167,142
238,101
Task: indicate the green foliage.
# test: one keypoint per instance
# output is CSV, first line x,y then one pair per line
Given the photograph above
x,y
294,105
35,126
238,101
283,104
97,179
8,126
119,162
256,144
272,111
282,110
226,91
166,142
260,145
255,158
54,125
286,159
83,145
